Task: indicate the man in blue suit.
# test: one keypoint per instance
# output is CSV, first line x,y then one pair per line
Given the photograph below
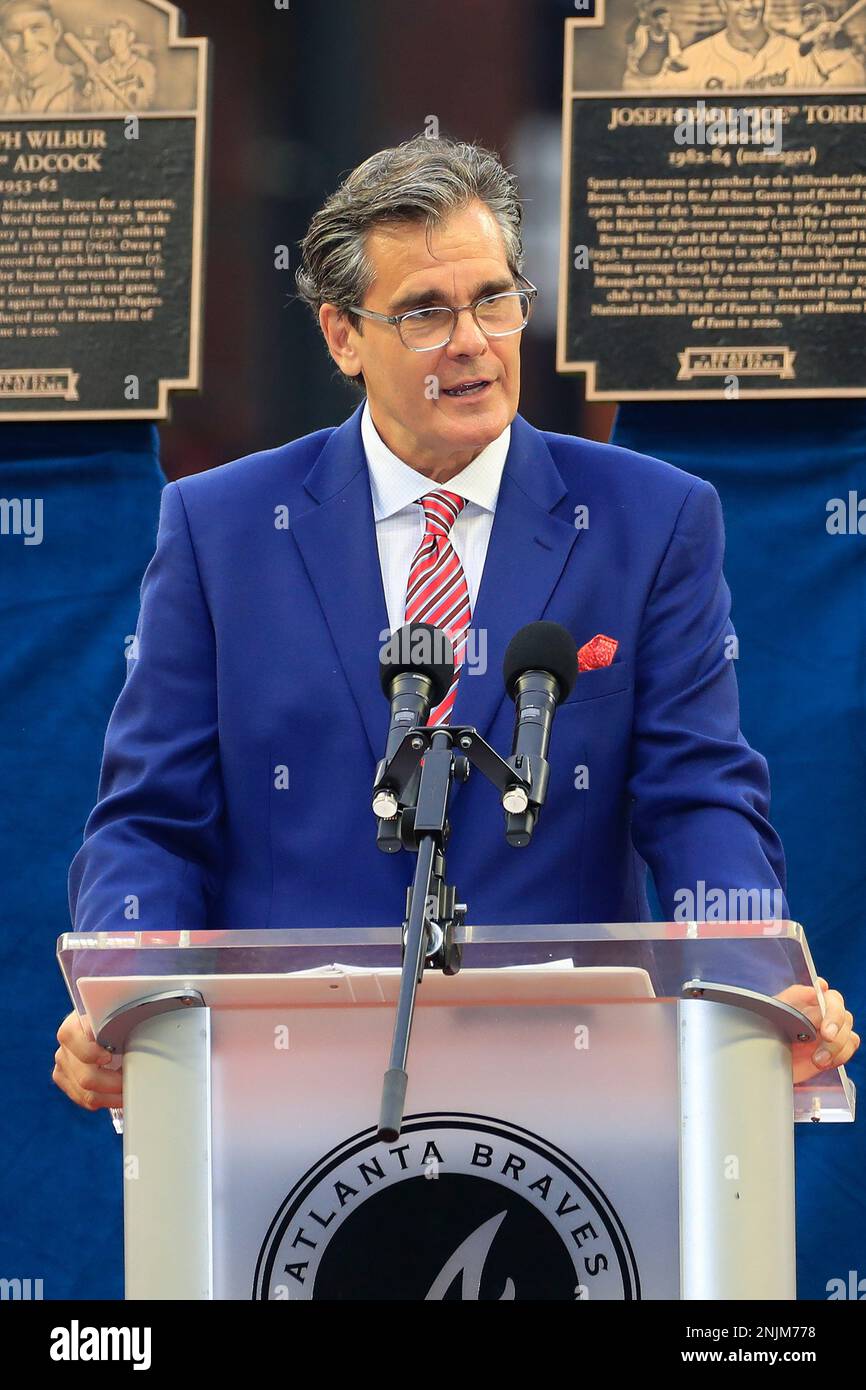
x,y
239,759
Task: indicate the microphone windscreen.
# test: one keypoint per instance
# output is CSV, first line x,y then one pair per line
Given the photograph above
x,y
422,650
541,646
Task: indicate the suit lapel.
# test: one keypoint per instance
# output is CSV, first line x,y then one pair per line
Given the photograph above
x,y
337,540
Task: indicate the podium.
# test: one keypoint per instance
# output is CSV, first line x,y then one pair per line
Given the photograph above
x,y
593,1111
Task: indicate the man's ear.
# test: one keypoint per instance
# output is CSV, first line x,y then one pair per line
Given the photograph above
x,y
340,335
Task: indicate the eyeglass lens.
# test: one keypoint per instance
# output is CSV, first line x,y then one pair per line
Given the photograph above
x,y
506,313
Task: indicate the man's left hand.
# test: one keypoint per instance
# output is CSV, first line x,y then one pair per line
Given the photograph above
x,y
836,1042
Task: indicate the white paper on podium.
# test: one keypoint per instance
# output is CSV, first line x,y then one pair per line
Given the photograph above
x,y
324,972
551,979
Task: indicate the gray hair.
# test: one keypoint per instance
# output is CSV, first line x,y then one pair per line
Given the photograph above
x,y
421,180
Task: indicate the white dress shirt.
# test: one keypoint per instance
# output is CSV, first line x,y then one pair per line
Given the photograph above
x,y
397,488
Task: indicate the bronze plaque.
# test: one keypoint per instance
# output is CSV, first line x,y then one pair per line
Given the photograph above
x,y
713,214
103,115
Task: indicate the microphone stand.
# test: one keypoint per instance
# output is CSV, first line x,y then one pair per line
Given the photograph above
x,y
432,910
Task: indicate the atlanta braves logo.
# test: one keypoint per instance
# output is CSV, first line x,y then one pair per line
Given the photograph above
x,y
462,1207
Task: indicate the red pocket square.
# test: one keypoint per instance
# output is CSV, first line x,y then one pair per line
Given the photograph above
x,y
600,651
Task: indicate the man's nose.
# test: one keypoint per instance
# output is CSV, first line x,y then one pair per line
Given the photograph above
x,y
468,340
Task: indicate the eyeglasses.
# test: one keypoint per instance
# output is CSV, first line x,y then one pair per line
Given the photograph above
x,y
497,315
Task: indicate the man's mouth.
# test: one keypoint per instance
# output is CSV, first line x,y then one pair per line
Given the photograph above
x,y
467,388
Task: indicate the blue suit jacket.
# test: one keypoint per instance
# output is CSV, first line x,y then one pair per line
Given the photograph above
x,y
258,651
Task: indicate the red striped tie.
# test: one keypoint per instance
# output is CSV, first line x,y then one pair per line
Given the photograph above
x,y
437,592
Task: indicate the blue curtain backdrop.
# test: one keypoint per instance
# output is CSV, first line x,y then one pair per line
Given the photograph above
x,y
799,608
66,607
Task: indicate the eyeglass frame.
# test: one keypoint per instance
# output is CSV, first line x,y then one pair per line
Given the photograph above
x,y
531,291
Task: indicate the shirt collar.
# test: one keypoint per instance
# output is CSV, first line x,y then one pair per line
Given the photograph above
x,y
395,484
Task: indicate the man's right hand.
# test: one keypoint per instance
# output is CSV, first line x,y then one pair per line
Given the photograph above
x,y
79,1068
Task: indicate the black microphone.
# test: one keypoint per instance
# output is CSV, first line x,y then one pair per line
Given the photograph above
x,y
540,668
416,669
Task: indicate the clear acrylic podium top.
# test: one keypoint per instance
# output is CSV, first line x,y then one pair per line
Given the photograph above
x,y
766,957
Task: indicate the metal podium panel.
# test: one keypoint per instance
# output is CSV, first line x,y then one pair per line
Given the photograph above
x,y
736,1155
167,1152
510,1179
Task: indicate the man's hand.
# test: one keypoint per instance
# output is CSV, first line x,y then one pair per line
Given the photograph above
x,y
79,1068
836,1042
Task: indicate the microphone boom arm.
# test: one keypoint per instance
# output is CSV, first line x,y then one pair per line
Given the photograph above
x,y
432,907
